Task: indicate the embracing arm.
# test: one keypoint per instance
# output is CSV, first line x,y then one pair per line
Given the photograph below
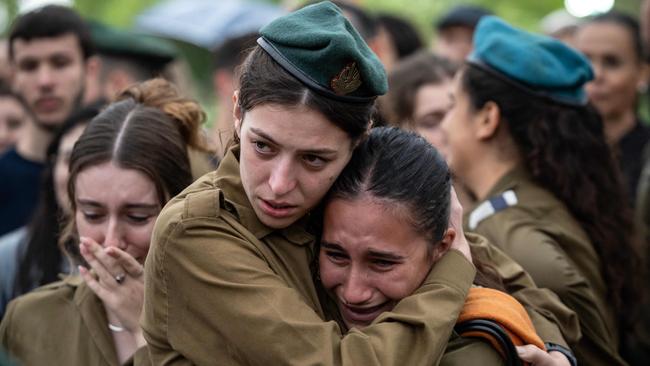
x,y
554,322
211,297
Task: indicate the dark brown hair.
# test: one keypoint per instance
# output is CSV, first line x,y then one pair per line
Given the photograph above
x,y
149,128
51,21
565,151
408,76
421,190
41,262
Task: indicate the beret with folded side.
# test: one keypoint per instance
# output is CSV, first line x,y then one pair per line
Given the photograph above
x,y
537,64
123,43
318,46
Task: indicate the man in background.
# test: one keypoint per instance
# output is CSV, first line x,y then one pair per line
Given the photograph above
x,y
50,52
454,31
125,57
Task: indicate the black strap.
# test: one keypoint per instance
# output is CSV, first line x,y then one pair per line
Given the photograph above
x,y
565,351
497,332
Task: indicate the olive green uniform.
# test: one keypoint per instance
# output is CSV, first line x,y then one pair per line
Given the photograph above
x,y
222,288
537,230
462,351
63,323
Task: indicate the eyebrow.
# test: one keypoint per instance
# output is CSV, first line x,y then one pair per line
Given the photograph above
x,y
385,255
329,245
147,206
324,151
373,252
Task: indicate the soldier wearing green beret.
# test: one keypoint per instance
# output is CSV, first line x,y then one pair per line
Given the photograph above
x,y
125,58
229,272
524,140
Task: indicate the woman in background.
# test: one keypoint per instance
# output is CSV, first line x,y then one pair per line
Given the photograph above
x,y
526,143
612,43
30,256
13,114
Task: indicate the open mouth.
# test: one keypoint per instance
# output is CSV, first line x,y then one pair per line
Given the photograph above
x,y
277,209
363,315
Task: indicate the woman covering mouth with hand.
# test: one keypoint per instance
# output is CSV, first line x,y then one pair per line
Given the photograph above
x,y
129,161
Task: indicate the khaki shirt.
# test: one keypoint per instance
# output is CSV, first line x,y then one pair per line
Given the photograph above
x,y
554,322
223,289
62,323
540,233
465,351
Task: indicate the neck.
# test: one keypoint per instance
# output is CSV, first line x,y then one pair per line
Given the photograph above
x,y
617,126
486,173
33,144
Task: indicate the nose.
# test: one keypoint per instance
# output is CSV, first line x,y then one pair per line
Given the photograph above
x,y
113,236
598,71
282,179
45,77
356,289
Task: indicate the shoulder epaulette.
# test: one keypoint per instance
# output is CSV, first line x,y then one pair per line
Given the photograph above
x,y
205,203
491,206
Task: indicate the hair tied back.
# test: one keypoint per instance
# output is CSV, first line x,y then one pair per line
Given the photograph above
x,y
163,95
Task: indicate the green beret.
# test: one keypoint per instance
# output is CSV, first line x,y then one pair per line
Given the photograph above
x,y
537,64
318,46
122,43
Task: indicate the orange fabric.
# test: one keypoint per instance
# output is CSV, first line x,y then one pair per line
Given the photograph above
x,y
486,303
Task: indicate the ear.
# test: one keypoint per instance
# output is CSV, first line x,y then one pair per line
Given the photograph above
x,y
237,114
443,246
487,121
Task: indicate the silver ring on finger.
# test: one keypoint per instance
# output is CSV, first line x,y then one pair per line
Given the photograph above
x,y
120,278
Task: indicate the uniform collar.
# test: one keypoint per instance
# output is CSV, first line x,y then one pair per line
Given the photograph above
x,y
229,181
94,317
510,180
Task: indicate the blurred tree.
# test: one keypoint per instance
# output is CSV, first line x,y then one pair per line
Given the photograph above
x,y
119,13
524,14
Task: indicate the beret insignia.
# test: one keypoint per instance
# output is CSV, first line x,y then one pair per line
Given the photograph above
x,y
346,81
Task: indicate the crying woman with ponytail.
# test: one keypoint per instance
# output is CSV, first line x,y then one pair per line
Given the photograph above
x,y
131,159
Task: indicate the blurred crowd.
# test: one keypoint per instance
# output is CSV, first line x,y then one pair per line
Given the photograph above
x,y
543,135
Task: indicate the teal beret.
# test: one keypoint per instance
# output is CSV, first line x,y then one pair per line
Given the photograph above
x,y
318,46
538,64
123,43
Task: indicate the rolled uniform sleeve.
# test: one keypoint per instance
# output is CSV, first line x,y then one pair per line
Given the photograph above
x,y
211,297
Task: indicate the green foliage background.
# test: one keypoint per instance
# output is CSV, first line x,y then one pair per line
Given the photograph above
x,y
524,13
122,13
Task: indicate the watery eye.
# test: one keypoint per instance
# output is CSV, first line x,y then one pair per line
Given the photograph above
x,y
383,264
138,218
262,147
91,216
314,161
335,256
